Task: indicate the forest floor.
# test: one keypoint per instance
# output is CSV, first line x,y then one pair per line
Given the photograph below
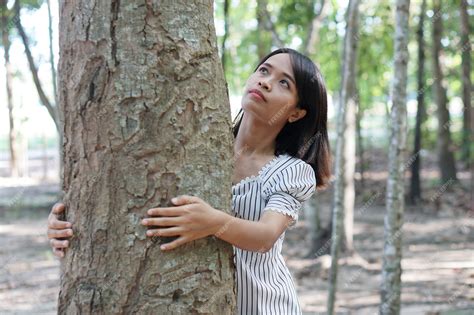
x,y
438,252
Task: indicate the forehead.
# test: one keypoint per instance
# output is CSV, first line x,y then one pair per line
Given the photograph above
x,y
281,62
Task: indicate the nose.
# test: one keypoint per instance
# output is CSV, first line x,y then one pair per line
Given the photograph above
x,y
264,84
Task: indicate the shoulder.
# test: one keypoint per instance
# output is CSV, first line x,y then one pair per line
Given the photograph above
x,y
291,175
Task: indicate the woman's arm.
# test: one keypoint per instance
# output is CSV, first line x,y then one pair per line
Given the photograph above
x,y
192,219
255,236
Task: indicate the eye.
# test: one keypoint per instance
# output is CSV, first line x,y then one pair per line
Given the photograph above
x,y
286,83
263,69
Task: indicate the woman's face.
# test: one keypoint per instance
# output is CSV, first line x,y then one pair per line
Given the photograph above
x,y
270,92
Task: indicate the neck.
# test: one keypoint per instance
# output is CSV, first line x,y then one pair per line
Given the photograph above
x,y
255,138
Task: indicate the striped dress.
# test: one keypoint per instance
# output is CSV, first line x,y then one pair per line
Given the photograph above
x,y
264,283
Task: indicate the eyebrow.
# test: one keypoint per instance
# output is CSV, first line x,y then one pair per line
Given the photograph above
x,y
284,73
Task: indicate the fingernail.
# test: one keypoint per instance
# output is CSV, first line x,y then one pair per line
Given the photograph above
x,y
149,233
144,221
68,225
162,247
174,199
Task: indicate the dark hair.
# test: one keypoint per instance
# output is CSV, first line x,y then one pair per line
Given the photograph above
x,y
306,138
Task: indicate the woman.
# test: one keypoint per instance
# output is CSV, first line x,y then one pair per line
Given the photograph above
x,y
281,153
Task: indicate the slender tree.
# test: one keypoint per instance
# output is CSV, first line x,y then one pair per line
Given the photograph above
x,y
51,53
467,136
415,185
12,139
345,151
392,253
312,34
261,47
52,109
445,145
145,118
226,34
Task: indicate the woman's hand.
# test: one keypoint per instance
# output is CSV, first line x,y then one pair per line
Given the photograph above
x,y
58,230
191,219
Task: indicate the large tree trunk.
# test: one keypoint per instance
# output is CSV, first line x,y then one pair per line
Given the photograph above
x,y
12,139
345,151
415,184
145,117
445,145
467,138
392,254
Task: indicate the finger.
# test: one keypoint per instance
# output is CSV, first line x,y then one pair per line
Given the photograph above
x,y
174,244
59,233
58,243
174,231
185,199
58,252
167,212
165,221
58,208
58,224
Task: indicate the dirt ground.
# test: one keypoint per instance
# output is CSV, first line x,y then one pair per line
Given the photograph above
x,y
438,254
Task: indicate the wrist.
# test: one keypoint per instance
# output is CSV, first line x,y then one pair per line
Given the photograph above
x,y
222,221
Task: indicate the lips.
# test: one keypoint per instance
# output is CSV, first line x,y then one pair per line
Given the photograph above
x,y
258,93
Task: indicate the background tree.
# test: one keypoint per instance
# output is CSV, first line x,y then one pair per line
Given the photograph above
x,y
466,83
345,151
52,108
146,118
392,254
6,23
446,162
415,185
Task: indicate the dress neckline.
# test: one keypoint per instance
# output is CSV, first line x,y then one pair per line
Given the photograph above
x,y
260,172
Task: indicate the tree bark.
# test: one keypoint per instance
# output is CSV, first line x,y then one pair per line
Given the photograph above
x,y
345,152
446,157
467,136
415,185
145,117
392,254
12,139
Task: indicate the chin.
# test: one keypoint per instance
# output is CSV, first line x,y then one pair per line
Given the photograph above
x,y
252,109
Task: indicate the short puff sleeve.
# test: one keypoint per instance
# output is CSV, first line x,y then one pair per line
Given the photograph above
x,y
288,188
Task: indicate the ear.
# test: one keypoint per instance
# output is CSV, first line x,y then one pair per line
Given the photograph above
x,y
297,114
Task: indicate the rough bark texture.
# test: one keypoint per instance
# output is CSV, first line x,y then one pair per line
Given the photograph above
x,y
345,151
12,139
392,255
415,184
146,117
467,136
445,148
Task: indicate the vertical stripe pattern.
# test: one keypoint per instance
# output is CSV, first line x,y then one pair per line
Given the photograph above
x,y
264,283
